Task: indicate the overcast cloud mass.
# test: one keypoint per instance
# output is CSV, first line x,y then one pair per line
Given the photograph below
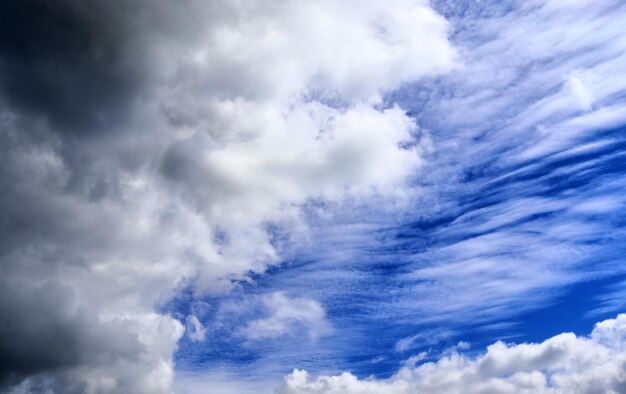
x,y
408,196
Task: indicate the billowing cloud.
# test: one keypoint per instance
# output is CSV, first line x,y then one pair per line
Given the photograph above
x,y
149,146
564,363
285,315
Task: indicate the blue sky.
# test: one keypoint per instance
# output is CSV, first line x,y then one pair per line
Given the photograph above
x,y
301,197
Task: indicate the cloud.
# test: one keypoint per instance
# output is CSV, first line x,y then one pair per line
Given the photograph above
x,y
562,364
286,315
579,82
330,154
148,147
195,330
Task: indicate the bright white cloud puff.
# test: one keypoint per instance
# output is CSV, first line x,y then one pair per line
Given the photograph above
x,y
562,364
286,315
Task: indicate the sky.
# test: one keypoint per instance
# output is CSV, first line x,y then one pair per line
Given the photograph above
x,y
297,197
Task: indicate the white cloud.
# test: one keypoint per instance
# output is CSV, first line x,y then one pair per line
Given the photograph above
x,y
579,82
274,106
269,52
195,330
562,364
286,315
312,152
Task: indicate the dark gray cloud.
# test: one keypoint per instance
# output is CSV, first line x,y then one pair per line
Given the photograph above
x,y
70,73
72,63
43,327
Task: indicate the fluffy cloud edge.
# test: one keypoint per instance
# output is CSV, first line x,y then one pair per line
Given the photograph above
x,y
565,363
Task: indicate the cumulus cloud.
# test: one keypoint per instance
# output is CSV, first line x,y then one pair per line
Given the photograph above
x,y
148,145
285,315
564,363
